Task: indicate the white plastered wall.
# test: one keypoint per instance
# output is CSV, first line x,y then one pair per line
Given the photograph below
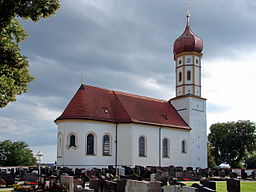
x,y
193,111
76,157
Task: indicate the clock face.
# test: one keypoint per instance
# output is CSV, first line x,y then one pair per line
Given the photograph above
x,y
188,60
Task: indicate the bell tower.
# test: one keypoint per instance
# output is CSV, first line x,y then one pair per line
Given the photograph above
x,y
187,55
188,101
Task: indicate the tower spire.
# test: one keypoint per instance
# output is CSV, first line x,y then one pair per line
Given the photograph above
x,y
187,11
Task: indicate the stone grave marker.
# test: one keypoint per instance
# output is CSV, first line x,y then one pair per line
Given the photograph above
x,y
32,177
171,171
68,181
152,177
233,185
233,175
142,186
209,184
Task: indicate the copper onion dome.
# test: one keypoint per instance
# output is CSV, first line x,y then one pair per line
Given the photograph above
x,y
188,41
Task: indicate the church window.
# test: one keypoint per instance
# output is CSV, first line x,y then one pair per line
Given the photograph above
x,y
165,147
180,76
72,141
106,145
183,147
197,61
142,146
90,144
188,75
179,61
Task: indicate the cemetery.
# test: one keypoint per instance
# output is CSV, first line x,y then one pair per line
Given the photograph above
x,y
122,179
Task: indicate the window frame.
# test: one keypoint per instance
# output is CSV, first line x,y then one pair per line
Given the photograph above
x,y
69,146
183,146
109,145
188,75
94,152
166,154
180,76
143,152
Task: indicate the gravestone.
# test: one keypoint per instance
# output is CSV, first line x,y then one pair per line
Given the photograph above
x,y
171,171
189,168
209,184
254,174
32,177
233,185
243,174
120,185
233,175
201,188
109,186
179,169
152,177
68,181
178,188
96,184
142,186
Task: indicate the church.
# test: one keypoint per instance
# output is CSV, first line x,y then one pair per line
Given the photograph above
x,y
102,127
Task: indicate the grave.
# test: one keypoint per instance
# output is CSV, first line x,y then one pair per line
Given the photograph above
x,y
68,181
142,186
233,185
233,175
209,184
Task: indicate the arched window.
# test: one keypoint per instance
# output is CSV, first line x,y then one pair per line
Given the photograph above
x,y
188,75
90,144
142,146
72,141
183,147
106,145
165,147
180,76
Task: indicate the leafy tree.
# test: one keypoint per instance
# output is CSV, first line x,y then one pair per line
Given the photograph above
x,y
232,141
16,154
251,162
14,67
210,157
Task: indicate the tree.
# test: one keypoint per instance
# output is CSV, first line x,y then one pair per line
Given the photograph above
x,y
14,67
250,162
16,154
210,157
232,142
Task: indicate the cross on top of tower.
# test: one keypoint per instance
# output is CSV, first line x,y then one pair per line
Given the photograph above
x,y
187,9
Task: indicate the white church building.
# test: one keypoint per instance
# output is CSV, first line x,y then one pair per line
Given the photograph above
x,y
102,127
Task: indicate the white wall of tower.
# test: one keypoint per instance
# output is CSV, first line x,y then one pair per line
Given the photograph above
x,y
188,74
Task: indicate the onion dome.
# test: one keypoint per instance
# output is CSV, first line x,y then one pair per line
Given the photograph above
x,y
188,41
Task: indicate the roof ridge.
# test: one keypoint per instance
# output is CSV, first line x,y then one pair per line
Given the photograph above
x,y
141,96
128,94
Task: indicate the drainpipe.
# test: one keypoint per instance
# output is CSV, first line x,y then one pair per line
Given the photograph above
x,y
160,146
116,149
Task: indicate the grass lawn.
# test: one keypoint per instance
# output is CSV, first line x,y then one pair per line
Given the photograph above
x,y
245,186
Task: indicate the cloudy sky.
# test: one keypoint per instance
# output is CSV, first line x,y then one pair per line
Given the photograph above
x,y
126,45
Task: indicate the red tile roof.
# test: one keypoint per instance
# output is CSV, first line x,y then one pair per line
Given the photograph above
x,y
93,103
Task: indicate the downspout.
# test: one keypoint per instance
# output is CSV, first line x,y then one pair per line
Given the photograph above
x,y
160,128
116,149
